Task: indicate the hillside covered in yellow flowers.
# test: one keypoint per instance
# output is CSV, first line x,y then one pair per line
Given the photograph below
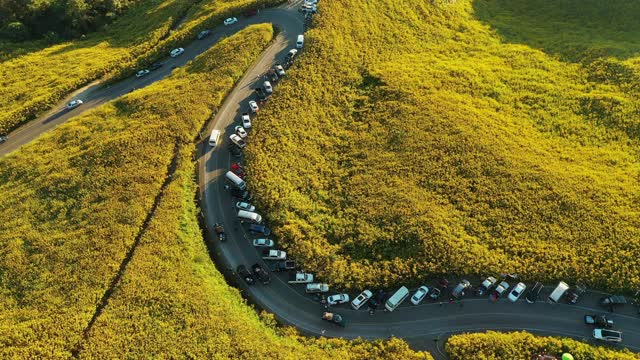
x,y
459,137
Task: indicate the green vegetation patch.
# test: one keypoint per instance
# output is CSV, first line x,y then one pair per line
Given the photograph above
x,y
36,78
74,200
522,345
425,144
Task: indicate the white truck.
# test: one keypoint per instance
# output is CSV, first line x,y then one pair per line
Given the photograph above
x,y
557,293
300,277
236,180
249,216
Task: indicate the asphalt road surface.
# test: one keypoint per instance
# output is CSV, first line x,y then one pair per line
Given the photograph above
x,y
425,326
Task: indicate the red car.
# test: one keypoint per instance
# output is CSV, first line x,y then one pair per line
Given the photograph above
x,y
237,169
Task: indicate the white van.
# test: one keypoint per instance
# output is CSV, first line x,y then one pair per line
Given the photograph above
x,y
235,180
213,139
558,292
397,298
300,41
249,216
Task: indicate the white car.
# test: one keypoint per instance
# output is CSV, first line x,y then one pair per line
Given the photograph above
x,y
241,205
607,335
517,291
317,288
241,131
267,87
74,104
338,299
237,140
142,73
253,106
176,52
263,243
230,21
268,254
246,121
419,295
280,70
361,299
501,288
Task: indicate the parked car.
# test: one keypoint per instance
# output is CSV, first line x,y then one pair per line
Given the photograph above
x,y
575,293
598,320
517,291
285,265
246,121
203,34
272,254
300,277
237,140
262,242
250,12
607,335
261,274
253,106
338,299
317,288
267,87
219,229
533,294
237,169
501,289
240,131
361,299
230,21
3,138
613,300
241,205
279,70
458,291
419,295
334,318
435,293
273,76
241,194
142,73
155,66
74,104
486,285
291,55
176,52
259,229
245,275
261,95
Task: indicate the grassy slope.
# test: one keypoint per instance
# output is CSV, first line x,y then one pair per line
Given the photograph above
x,y
431,146
71,205
35,81
522,345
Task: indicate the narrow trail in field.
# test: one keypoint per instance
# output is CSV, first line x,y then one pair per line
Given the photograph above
x,y
104,301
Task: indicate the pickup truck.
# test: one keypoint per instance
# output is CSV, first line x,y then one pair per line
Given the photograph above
x,y
284,265
269,254
300,277
261,274
613,300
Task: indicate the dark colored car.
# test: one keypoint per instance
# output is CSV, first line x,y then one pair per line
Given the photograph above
x,y
3,138
533,294
260,273
283,265
155,66
435,293
575,293
250,12
203,34
334,318
241,194
613,300
261,95
598,320
259,229
245,275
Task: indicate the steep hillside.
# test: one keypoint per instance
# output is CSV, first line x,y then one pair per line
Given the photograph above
x,y
441,138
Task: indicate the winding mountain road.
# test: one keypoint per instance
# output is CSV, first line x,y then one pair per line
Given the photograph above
x,y
425,326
